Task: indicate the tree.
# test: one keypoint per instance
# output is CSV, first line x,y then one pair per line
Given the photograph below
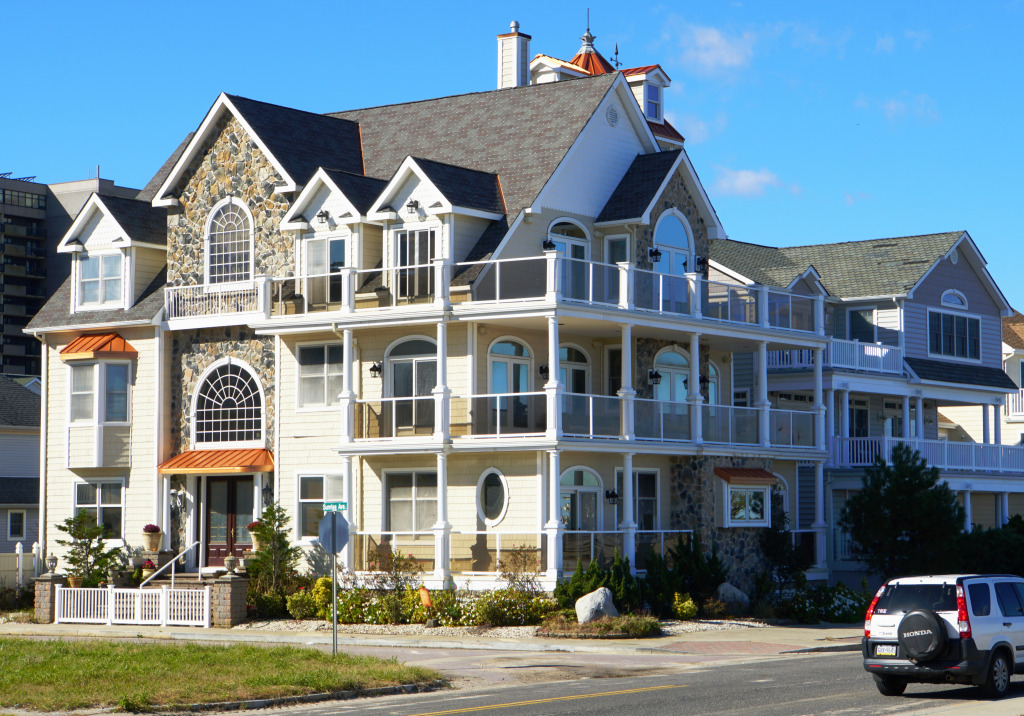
x,y
87,555
903,522
784,562
274,564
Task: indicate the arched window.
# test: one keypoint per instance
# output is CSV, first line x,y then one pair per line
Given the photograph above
x,y
580,492
954,299
672,238
229,406
229,244
674,368
511,368
572,240
574,369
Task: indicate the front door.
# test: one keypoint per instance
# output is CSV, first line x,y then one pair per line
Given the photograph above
x,y
229,510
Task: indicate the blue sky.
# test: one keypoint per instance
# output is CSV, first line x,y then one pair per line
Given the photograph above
x,y
806,121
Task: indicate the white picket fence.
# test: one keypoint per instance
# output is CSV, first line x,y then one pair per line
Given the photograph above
x,y
154,607
17,569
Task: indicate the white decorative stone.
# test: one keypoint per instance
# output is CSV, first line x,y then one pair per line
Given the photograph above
x,y
735,601
595,605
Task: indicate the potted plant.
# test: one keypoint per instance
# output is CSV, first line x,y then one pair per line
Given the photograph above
x,y
253,527
151,537
148,568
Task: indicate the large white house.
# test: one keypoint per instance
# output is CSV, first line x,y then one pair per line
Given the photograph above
x,y
483,321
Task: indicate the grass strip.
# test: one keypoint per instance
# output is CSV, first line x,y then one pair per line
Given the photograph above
x,y
62,675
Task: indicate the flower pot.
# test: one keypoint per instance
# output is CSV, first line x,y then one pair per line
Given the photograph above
x,y
255,542
147,573
152,540
74,582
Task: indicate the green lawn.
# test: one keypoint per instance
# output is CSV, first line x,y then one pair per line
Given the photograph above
x,y
59,675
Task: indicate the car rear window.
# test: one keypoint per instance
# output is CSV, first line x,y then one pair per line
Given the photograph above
x,y
981,599
1008,602
898,598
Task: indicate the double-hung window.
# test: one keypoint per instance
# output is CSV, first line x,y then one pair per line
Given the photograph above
x,y
654,102
104,502
748,506
311,505
954,335
15,525
411,501
320,375
99,389
99,280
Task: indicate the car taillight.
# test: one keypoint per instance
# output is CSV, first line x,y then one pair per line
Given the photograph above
x,y
963,621
871,612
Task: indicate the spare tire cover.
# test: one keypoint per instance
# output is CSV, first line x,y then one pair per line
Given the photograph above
x,y
922,634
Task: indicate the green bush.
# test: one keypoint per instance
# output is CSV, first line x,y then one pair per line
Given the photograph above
x,y
625,588
683,607
87,555
583,581
352,605
813,604
659,586
452,609
697,573
301,604
386,608
510,607
639,626
321,594
270,605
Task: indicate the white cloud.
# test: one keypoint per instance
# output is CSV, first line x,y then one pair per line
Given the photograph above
x,y
918,37
850,199
746,182
695,129
894,109
709,50
885,44
905,105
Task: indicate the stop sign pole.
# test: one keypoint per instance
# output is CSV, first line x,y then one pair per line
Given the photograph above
x,y
333,533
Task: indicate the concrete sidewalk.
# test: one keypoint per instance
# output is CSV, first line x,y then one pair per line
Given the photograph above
x,y
737,642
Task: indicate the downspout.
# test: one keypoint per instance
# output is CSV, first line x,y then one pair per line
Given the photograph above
x,y
160,499
42,445
277,418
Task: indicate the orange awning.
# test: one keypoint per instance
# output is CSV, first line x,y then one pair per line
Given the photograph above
x,y
98,345
219,462
746,475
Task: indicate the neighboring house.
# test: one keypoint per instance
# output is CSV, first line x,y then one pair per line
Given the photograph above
x,y
19,465
483,321
914,323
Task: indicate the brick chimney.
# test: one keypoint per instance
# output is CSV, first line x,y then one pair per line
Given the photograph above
x,y
513,58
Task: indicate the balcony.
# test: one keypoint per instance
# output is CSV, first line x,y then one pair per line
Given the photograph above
x,y
845,355
1014,408
943,454
542,281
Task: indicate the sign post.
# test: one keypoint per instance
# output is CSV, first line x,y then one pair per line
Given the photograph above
x,y
333,533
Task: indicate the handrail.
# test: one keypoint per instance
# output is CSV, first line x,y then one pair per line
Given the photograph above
x,y
170,564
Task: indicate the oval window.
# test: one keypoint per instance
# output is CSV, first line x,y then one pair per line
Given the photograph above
x,y
492,497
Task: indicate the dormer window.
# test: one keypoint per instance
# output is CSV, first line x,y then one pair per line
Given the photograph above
x,y
99,280
229,244
653,103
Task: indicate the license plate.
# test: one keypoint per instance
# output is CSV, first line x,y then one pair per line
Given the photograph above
x,y
885,650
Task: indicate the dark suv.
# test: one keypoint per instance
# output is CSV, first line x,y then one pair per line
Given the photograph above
x,y
960,628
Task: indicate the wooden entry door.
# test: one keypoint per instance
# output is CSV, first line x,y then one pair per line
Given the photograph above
x,y
229,509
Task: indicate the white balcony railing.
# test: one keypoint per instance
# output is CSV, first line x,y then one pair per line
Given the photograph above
x,y
499,415
726,424
850,355
661,420
596,416
215,300
1014,407
943,454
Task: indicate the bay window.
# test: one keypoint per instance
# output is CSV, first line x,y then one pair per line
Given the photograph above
x,y
99,389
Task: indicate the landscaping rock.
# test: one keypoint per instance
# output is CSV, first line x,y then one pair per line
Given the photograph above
x,y
595,605
736,602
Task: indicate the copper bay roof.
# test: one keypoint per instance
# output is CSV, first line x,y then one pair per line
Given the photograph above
x,y
219,462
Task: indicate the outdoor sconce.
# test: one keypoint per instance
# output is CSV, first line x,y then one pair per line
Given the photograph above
x,y
612,496
548,245
51,563
702,263
375,370
268,494
654,377
412,207
543,370
654,255
322,215
705,383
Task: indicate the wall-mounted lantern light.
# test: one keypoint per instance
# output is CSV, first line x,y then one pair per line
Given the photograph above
x,y
612,496
375,370
654,377
322,216
548,245
654,254
412,207
543,370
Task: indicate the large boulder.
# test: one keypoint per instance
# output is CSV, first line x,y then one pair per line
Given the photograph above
x,y
736,602
595,605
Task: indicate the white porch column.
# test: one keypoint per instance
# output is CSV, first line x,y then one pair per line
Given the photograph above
x,y
919,418
820,525
442,284
347,396
627,525
441,570
830,423
626,392
348,554
442,394
997,424
1004,508
906,417
985,437
844,415
762,403
693,393
819,408
553,387
554,284
554,526
967,510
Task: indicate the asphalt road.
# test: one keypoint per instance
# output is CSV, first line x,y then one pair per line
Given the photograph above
x,y
833,683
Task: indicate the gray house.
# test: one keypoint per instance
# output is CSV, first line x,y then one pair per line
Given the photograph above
x,y
19,465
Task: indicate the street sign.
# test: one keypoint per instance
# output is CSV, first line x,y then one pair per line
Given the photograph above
x,y
333,532
335,506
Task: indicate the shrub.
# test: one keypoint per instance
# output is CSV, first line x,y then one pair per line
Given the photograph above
x,y
683,607
519,567
583,581
270,605
698,573
510,607
87,555
273,567
451,608
625,588
639,626
352,605
713,608
321,594
659,586
392,571
301,604
813,604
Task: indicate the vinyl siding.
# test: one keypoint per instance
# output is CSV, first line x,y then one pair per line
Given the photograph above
x,y
888,326
148,263
20,453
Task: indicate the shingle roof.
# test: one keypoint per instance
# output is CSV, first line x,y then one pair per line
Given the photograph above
x,y
468,188
19,490
303,141
57,311
139,218
638,186
1013,330
666,131
519,134
943,372
879,267
149,191
19,406
361,191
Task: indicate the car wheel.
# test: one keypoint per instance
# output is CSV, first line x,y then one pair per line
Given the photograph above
x,y
890,685
997,680
922,635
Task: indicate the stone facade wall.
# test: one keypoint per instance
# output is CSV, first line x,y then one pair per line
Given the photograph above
x,y
229,165
192,352
227,601
675,196
693,507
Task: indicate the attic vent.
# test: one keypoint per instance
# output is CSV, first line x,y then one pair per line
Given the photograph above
x,y
954,256
612,115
